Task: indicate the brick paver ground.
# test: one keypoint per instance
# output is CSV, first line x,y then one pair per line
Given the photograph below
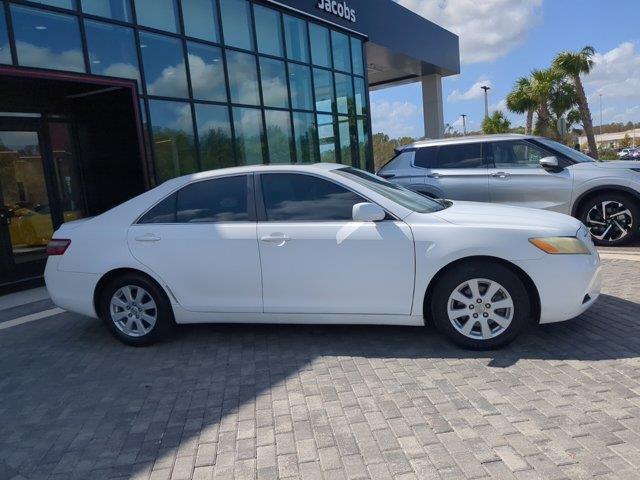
x,y
326,402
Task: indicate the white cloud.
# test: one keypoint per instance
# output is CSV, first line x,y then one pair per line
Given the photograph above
x,y
35,56
396,119
474,92
501,106
488,29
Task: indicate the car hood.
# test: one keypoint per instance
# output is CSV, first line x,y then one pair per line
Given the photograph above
x,y
491,215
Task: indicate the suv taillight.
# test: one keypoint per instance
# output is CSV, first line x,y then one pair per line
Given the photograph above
x,y
57,246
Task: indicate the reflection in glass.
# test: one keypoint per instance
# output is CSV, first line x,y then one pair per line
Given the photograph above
x,y
323,85
268,30
326,138
279,138
5,51
320,45
207,72
295,34
363,143
356,55
164,68
247,124
236,23
201,19
274,83
306,135
243,78
70,4
344,93
341,51
173,144
160,14
300,84
47,40
67,171
346,157
112,50
361,96
115,9
214,135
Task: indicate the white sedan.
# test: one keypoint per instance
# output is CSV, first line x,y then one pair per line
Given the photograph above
x,y
320,244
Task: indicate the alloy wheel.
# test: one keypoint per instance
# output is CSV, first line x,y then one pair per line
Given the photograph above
x,y
609,221
480,309
133,311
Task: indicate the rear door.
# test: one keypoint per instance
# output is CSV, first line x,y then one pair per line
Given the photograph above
x,y
516,177
457,172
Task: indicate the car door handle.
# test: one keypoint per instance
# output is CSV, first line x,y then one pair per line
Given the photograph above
x,y
278,238
435,175
501,175
149,237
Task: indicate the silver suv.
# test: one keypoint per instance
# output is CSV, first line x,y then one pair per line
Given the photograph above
x,y
526,171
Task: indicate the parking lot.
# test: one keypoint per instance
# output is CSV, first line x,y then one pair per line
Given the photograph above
x,y
283,402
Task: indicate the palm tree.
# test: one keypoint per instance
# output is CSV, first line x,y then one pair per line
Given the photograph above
x,y
543,83
520,100
572,65
496,123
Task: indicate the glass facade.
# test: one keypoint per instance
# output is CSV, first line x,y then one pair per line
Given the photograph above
x,y
222,82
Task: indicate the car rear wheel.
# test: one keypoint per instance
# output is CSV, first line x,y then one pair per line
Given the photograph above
x,y
480,305
612,219
136,310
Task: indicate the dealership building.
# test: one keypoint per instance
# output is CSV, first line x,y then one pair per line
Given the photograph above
x,y
102,99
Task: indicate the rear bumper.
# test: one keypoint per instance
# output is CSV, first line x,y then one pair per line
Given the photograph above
x,y
72,291
567,284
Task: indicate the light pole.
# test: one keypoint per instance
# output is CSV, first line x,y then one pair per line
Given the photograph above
x,y
464,124
486,100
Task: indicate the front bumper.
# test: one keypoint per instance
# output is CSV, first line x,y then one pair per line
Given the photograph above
x,y
567,284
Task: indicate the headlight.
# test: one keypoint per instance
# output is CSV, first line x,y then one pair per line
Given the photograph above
x,y
560,245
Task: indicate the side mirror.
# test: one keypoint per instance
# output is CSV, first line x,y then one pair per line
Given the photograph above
x,y
550,163
368,212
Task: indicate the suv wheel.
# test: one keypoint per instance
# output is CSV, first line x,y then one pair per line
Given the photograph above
x,y
612,219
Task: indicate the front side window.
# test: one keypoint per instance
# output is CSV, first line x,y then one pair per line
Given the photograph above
x,y
516,155
292,197
466,155
573,154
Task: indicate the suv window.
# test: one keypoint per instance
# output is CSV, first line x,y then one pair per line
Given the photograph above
x,y
516,155
402,160
426,157
291,197
163,212
465,155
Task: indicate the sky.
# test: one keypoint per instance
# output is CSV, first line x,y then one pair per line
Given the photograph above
x,y
501,40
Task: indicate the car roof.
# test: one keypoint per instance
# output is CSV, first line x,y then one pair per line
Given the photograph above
x,y
466,139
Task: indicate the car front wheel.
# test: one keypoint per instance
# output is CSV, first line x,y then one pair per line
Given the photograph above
x,y
612,219
480,305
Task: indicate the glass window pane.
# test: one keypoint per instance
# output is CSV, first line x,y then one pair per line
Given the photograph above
x,y
236,23
295,34
116,9
516,155
5,51
326,138
361,96
291,197
247,124
163,212
243,78
201,19
70,4
164,68
279,136
300,84
346,156
47,40
219,200
207,72
306,135
320,45
363,143
344,93
323,85
356,55
160,14
467,155
274,83
268,30
173,145
214,135
112,50
341,53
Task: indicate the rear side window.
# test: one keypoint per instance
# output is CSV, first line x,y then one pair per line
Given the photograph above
x,y
219,200
426,157
163,212
403,160
466,155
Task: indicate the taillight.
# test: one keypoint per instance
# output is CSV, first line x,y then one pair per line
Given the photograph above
x,y
57,246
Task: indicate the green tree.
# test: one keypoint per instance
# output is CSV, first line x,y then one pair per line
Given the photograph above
x,y
496,123
384,148
625,142
520,100
572,65
543,85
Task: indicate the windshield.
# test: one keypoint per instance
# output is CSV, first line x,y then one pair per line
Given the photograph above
x,y
400,195
573,154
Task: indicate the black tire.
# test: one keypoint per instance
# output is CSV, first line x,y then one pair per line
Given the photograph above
x,y
631,221
486,270
163,311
